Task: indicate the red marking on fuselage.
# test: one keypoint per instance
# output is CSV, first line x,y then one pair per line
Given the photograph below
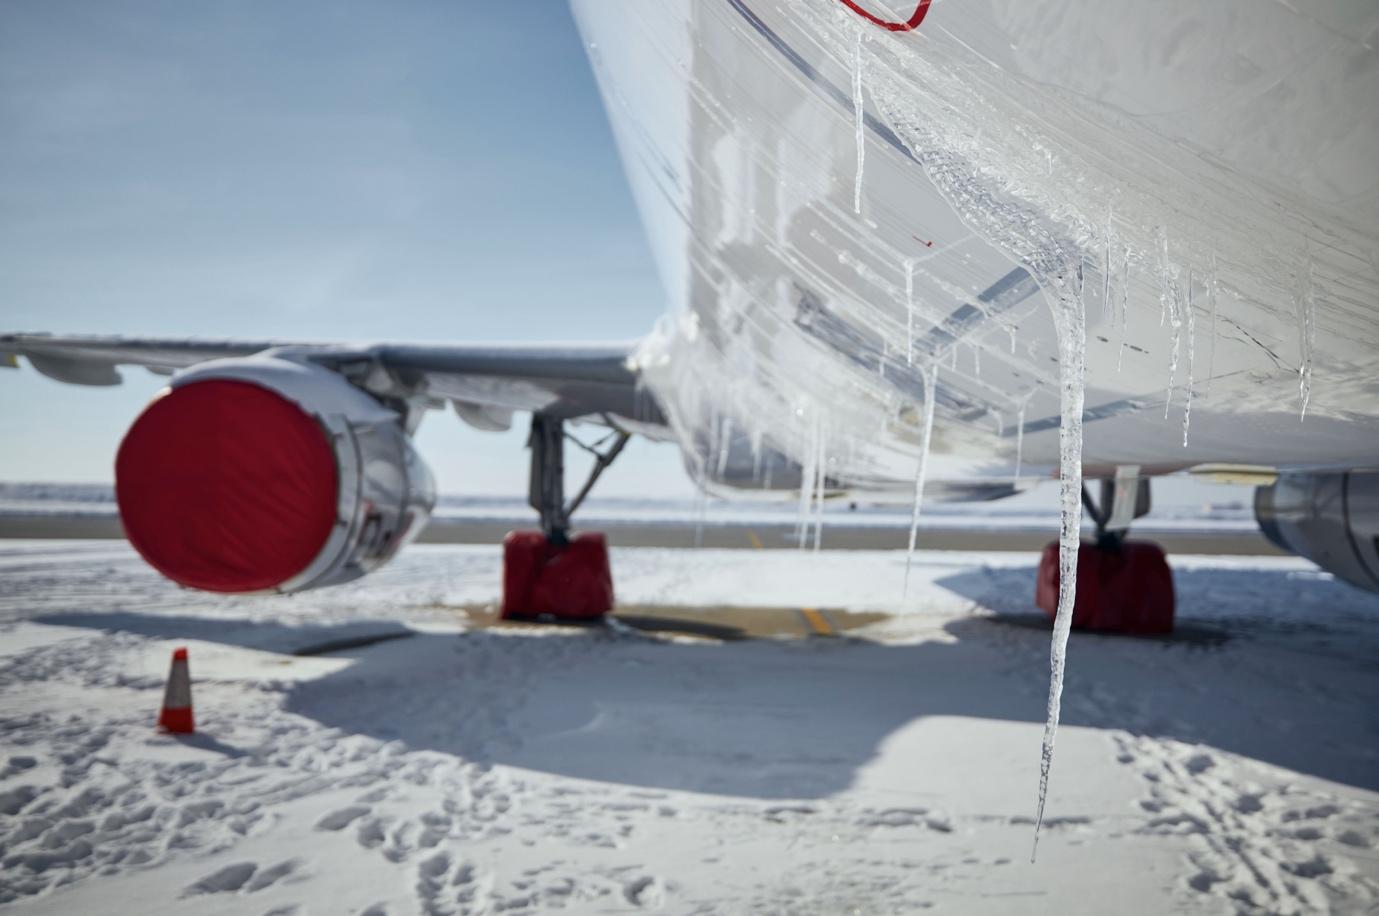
x,y
908,25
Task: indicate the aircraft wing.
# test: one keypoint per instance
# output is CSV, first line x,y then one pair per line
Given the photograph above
x,y
485,383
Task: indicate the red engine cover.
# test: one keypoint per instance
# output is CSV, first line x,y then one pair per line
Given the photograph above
x,y
226,486
1124,590
569,581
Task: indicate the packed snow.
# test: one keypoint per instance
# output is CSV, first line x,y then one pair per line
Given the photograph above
x,y
457,769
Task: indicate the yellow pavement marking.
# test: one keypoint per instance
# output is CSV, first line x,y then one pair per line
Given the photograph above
x,y
756,541
817,621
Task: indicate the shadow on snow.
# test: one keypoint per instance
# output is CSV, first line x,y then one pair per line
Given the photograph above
x,y
1272,680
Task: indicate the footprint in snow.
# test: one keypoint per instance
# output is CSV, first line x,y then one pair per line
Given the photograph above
x,y
227,880
645,892
242,876
339,820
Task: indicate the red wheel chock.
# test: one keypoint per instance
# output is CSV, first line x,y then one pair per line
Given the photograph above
x,y
570,581
1123,589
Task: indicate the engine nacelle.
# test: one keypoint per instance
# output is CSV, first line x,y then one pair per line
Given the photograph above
x,y
1331,519
268,474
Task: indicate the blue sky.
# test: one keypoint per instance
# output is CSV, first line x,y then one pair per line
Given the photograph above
x,y
344,170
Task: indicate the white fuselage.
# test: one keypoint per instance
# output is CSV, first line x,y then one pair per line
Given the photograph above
x,y
1202,177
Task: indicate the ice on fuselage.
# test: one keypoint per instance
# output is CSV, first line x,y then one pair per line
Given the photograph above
x,y
797,297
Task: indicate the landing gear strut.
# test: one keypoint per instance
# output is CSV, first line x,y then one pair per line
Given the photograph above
x,y
1123,586
551,573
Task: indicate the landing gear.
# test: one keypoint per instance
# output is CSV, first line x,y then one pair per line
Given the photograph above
x,y
551,573
1122,586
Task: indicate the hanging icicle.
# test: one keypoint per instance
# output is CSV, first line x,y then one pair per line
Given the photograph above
x,y
1191,355
1020,436
909,311
930,396
1124,306
820,472
859,120
1307,330
1211,299
1071,322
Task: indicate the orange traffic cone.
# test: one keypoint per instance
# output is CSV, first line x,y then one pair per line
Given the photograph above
x,y
176,716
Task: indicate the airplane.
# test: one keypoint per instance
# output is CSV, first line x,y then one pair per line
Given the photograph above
x,y
1105,240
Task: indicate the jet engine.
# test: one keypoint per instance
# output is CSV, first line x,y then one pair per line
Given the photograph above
x,y
1331,519
265,474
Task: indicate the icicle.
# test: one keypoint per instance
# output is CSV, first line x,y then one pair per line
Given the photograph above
x,y
1175,318
1071,322
821,469
953,357
702,470
1124,305
1164,294
1010,328
1191,356
976,360
930,396
725,438
1211,298
806,492
1020,437
755,439
1307,321
701,509
1106,311
859,121
909,311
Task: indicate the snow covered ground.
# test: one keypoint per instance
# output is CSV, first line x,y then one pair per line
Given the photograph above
x,y
459,769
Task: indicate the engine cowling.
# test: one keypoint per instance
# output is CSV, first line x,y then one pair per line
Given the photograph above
x,y
268,474
1331,519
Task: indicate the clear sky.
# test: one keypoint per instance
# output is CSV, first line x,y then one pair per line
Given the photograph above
x,y
340,171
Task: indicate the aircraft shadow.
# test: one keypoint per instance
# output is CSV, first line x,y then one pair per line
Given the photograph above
x,y
776,719
266,635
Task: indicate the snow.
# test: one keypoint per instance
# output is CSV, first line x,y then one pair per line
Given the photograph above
x,y
1233,768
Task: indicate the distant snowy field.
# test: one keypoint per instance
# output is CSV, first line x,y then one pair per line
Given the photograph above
x,y
1232,769
1179,503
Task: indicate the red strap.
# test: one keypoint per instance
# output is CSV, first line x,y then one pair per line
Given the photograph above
x,y
908,25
